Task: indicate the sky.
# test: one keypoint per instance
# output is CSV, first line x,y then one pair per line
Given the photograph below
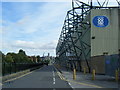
x,y
32,26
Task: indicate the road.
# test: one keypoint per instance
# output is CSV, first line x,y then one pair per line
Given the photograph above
x,y
45,77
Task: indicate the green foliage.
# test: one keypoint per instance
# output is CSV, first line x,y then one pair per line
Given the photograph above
x,y
14,56
47,61
2,57
38,59
8,59
11,62
22,52
21,57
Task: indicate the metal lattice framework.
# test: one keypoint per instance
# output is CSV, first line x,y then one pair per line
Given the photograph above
x,y
72,46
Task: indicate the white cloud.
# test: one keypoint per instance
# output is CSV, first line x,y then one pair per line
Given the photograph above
x,y
28,44
51,12
48,20
34,45
31,48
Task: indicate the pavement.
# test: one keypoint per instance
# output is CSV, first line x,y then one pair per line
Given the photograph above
x,y
103,82
44,78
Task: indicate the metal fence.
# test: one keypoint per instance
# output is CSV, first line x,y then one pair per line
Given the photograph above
x,y
9,68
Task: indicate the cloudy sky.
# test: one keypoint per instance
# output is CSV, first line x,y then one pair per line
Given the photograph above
x,y
32,26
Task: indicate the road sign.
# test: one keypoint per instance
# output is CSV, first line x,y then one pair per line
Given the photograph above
x,y
100,21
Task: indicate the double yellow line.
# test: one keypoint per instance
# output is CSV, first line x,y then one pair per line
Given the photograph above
x,y
85,84
61,76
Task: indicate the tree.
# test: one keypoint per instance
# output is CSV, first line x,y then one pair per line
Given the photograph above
x,y
2,57
23,58
8,59
47,61
14,56
22,52
38,59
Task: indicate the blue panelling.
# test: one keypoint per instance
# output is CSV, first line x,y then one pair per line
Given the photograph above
x,y
111,64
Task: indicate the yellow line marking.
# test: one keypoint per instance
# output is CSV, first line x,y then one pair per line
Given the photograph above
x,y
0,83
17,77
61,77
85,84
20,76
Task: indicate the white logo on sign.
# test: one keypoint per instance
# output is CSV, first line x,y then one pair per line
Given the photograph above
x,y
101,21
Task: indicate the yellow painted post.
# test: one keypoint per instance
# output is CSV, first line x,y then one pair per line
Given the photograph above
x,y
74,74
59,66
84,70
116,75
93,74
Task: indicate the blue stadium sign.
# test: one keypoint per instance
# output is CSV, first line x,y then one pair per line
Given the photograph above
x,y
107,61
100,21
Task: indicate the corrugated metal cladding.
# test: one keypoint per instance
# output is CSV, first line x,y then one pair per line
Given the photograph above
x,y
105,39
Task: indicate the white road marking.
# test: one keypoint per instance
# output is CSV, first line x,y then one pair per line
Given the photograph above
x,y
70,85
53,82
53,74
53,77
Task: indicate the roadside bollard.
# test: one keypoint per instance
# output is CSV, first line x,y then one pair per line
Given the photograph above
x,y
74,74
59,66
84,70
93,74
118,72
116,75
